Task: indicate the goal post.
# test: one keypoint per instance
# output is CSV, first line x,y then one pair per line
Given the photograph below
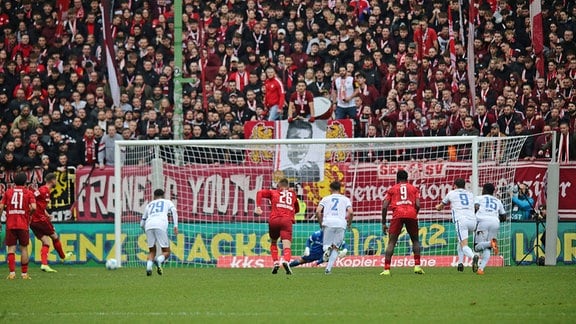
x,y
214,183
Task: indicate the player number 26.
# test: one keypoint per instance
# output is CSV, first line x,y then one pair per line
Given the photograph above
x,y
286,197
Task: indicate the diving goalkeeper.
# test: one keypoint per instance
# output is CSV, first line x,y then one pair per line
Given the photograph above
x,y
314,251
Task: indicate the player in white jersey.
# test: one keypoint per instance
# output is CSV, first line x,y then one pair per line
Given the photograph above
x,y
489,212
334,214
462,204
155,223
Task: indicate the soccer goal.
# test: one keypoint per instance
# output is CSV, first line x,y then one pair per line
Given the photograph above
x,y
214,184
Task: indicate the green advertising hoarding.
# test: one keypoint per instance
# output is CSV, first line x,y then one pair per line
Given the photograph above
x,y
205,243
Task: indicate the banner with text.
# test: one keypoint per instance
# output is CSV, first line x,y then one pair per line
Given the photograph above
x,y
228,192
247,244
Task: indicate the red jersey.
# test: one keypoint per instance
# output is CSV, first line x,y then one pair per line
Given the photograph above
x,y
42,196
274,93
302,103
284,202
402,198
17,203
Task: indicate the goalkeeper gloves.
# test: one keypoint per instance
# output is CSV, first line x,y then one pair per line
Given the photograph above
x,y
342,253
307,251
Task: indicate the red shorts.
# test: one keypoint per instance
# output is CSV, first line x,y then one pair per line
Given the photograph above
x,y
410,223
42,229
280,228
17,236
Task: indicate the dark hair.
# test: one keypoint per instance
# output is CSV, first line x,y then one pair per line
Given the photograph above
x,y
335,186
49,177
158,193
488,189
20,179
401,175
283,182
460,183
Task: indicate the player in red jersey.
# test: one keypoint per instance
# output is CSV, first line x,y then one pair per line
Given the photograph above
x,y
284,206
19,203
404,199
42,226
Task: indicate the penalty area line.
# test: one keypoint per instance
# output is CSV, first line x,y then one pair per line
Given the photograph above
x,y
158,314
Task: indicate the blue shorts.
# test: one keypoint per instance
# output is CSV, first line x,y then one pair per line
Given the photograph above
x,y
313,257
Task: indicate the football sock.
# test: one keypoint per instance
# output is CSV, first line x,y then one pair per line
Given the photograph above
x,y
485,258
287,252
332,259
274,251
460,254
416,259
58,248
44,254
468,251
24,268
149,264
11,262
294,263
160,259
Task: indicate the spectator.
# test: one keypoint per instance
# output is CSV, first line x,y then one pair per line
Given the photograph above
x,y
274,100
106,147
343,94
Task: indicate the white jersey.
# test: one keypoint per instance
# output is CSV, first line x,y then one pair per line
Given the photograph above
x,y
489,207
335,207
156,215
461,202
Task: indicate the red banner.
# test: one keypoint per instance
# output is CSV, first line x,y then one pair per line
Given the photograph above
x,y
226,193
356,261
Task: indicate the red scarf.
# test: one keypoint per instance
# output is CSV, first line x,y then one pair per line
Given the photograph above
x,y
90,150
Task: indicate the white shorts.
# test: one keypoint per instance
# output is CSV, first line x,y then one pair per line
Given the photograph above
x,y
156,235
333,236
465,227
487,229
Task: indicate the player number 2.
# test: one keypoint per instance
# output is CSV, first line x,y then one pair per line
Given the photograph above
x,y
335,204
17,200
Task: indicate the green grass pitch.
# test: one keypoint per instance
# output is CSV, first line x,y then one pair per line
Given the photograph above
x,y
182,295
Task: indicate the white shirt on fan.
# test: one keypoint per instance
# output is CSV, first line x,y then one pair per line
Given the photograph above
x,y
156,215
335,207
462,204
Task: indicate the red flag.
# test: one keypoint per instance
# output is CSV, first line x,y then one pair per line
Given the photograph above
x,y
537,34
452,49
470,53
62,7
110,53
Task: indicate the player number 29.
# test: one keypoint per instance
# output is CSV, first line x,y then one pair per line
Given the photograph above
x,y
286,197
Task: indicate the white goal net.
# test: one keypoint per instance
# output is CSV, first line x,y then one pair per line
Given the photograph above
x,y
214,184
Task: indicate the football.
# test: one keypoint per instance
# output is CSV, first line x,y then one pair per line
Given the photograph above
x,y
112,264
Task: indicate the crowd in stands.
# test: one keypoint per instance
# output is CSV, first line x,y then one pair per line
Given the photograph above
x,y
386,64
